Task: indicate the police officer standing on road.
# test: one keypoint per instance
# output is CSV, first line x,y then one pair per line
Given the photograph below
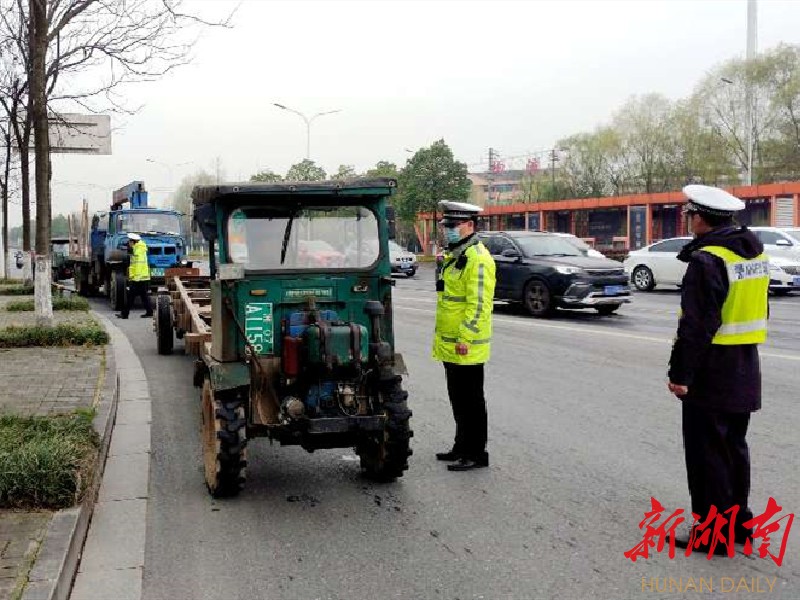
x,y
465,296
138,277
714,368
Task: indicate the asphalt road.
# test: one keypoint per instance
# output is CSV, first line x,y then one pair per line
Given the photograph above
x,y
582,434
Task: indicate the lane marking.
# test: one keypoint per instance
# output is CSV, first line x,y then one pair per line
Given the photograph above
x,y
589,330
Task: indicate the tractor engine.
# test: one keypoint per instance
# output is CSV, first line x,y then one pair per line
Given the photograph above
x,y
324,364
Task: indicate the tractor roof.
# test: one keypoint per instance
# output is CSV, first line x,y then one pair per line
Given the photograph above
x,y
279,191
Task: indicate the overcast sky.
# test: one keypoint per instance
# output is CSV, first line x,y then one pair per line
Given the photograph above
x,y
515,76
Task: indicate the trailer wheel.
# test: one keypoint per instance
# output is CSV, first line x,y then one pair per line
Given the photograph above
x,y
81,281
385,458
164,335
224,442
117,290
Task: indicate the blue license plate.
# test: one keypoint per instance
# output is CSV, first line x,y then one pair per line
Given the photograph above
x,y
613,290
157,272
796,280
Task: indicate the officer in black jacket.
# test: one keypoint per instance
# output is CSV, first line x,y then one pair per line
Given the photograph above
x,y
714,368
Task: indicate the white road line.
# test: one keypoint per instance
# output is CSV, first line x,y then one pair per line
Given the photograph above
x,y
587,330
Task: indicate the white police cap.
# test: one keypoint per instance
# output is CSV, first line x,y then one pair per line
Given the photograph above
x,y
456,212
711,200
134,236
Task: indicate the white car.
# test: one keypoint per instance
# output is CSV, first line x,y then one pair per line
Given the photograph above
x,y
658,264
580,245
779,241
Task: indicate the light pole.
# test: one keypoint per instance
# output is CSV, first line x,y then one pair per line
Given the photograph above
x,y
308,122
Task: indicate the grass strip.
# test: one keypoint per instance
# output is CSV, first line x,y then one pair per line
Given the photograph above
x,y
59,303
45,462
64,334
16,290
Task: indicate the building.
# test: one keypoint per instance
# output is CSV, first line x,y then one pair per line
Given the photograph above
x,y
616,225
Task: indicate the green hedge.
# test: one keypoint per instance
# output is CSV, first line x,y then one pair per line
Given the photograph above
x,y
59,303
16,290
45,461
64,334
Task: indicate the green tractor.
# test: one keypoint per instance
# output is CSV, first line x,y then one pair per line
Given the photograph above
x,y
293,328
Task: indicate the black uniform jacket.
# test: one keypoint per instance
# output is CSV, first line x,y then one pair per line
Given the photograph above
x,y
720,378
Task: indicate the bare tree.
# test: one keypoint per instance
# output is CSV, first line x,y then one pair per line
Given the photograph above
x,y
83,53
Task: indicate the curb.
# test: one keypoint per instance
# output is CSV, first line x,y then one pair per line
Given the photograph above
x,y
57,562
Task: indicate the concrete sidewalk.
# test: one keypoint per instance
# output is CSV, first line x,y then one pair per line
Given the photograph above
x,y
41,381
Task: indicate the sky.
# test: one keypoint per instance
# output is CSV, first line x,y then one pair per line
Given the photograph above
x,y
515,76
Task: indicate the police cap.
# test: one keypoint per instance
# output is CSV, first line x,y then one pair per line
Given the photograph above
x,y
134,236
711,200
454,213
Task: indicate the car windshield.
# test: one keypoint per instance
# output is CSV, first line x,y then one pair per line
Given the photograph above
x,y
395,247
61,248
793,232
148,222
308,238
546,245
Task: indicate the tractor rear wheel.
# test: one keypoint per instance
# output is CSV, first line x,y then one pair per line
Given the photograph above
x,y
164,334
117,296
224,442
385,457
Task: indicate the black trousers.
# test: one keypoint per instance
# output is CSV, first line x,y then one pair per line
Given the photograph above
x,y
137,289
717,460
465,388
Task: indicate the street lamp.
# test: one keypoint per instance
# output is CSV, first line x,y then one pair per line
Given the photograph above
x,y
308,122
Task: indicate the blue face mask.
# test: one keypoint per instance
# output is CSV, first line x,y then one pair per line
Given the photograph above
x,y
451,235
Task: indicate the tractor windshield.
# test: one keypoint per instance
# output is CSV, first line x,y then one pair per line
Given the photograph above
x,y
303,238
148,222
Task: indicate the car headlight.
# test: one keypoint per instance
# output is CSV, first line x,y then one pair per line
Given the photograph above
x,y
569,270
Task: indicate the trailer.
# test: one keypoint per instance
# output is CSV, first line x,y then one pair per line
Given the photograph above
x,y
292,331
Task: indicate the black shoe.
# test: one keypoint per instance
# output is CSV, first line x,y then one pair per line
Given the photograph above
x,y
467,464
147,315
702,549
448,456
119,316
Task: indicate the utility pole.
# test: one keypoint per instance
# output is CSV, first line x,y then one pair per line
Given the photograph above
x,y
38,42
553,159
492,157
749,96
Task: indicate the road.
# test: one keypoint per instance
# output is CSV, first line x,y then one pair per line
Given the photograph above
x,y
582,434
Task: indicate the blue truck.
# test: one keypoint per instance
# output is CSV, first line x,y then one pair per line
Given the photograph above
x,y
102,261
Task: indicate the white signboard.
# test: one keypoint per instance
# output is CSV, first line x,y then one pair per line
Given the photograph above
x,y
81,134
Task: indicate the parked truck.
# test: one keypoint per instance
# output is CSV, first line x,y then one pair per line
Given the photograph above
x,y
100,256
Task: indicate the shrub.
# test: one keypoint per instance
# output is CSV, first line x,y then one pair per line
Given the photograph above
x,y
64,334
59,303
16,290
45,461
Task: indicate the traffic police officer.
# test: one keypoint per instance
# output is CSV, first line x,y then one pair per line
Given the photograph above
x,y
138,277
714,368
465,296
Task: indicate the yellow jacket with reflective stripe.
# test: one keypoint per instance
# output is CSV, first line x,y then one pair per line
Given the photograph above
x,y
139,270
464,309
744,313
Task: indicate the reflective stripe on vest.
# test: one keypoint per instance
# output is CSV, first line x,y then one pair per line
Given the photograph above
x,y
744,312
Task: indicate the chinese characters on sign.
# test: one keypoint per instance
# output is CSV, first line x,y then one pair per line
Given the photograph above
x,y
716,529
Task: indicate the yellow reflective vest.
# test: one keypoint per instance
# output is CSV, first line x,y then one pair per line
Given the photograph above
x,y
464,306
139,270
744,312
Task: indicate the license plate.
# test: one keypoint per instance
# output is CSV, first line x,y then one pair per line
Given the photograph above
x,y
258,326
158,272
613,290
796,280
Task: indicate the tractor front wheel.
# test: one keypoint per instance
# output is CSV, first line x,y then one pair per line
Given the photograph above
x,y
384,458
224,442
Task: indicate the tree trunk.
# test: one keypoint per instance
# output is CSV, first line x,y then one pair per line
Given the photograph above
x,y
4,200
43,301
25,182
